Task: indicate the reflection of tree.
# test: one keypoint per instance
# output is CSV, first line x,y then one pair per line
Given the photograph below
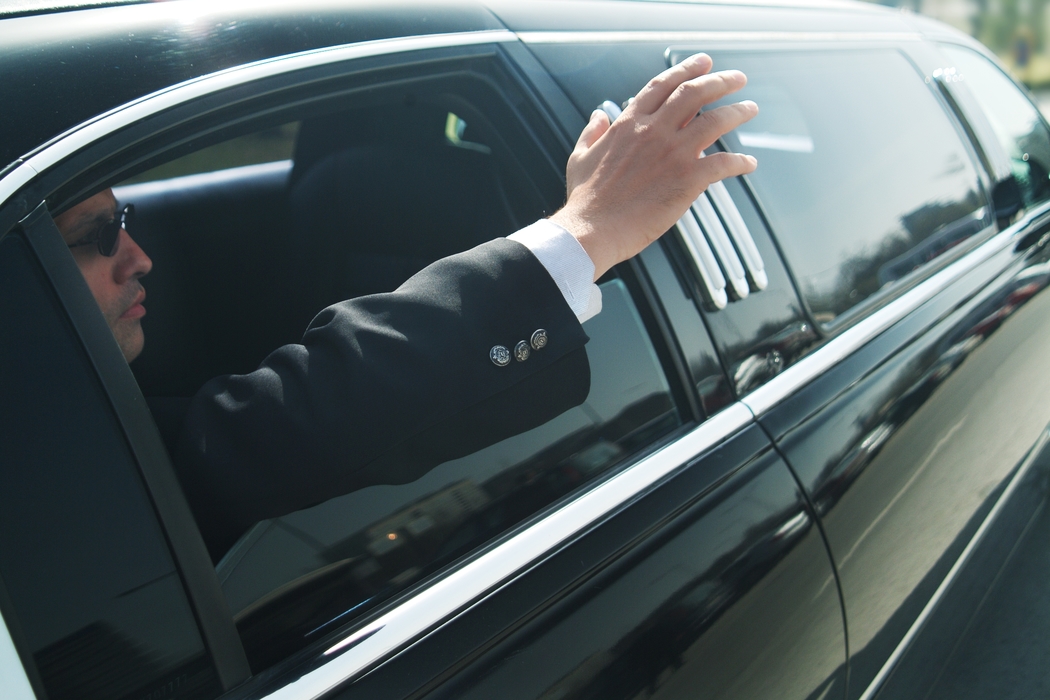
x,y
857,278
932,216
925,233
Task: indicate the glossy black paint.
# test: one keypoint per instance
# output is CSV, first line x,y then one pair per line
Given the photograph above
x,y
715,584
56,59
125,620
931,659
59,59
902,464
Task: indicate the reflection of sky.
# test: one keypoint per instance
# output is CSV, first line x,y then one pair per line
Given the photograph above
x,y
881,148
624,369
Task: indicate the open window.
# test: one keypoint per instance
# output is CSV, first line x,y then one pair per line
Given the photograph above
x,y
259,215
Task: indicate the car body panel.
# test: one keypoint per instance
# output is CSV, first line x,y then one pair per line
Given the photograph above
x,y
904,464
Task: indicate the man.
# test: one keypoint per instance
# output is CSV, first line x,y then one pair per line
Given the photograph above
x,y
492,331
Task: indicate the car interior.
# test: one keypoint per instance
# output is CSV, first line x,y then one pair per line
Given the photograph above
x,y
229,245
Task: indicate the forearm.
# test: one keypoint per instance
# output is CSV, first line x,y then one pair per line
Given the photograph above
x,y
347,408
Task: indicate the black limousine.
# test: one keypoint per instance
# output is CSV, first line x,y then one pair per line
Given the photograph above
x,y
818,409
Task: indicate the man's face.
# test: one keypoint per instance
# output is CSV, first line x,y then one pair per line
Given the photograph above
x,y
114,281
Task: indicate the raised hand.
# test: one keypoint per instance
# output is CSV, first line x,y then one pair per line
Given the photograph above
x,y
630,181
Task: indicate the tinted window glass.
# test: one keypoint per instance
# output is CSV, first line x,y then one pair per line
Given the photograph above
x,y
861,173
93,588
1016,122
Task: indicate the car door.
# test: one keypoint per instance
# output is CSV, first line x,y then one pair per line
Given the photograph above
x,y
697,571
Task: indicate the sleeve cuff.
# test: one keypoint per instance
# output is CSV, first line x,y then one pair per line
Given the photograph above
x,y
567,263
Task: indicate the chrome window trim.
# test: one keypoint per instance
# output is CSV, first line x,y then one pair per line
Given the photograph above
x,y
14,683
723,247
767,396
87,133
713,284
624,37
450,595
953,573
16,180
741,235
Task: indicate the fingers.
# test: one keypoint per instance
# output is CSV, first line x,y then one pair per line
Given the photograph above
x,y
598,125
721,166
709,126
691,96
657,90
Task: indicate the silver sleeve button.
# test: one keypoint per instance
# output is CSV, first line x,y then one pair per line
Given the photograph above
x,y
522,351
539,339
499,355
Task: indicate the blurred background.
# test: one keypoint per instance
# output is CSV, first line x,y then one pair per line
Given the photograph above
x,y
1017,30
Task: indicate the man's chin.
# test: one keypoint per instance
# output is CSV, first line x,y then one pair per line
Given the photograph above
x,y
130,338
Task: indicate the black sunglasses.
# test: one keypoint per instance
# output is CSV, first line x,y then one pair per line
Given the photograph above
x,y
107,236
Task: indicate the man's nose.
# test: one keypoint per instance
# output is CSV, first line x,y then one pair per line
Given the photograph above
x,y
132,261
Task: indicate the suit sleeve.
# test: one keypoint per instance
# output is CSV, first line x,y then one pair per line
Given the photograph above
x,y
382,389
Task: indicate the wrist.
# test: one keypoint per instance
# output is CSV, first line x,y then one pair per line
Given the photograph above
x,y
595,244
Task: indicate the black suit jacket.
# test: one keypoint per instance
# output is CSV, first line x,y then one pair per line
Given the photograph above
x,y
382,389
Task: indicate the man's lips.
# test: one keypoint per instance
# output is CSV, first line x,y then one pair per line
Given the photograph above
x,y
136,310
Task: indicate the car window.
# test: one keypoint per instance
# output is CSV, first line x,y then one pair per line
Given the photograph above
x,y
1016,122
862,175
95,596
369,196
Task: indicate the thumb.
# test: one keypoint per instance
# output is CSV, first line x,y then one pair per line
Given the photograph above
x,y
598,125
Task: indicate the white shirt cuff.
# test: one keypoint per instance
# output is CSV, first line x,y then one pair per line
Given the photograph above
x,y
568,264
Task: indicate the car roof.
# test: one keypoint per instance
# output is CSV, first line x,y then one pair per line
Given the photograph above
x,y
12,8
66,62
